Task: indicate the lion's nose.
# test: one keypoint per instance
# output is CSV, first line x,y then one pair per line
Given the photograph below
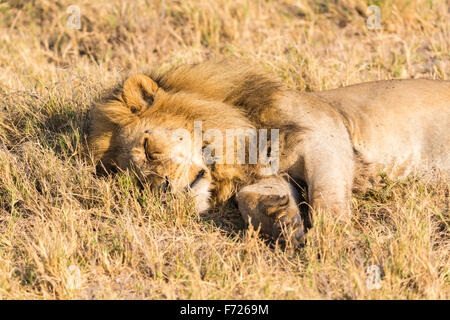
x,y
165,186
164,190
160,184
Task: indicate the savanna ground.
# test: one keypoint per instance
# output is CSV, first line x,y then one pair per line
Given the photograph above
x,y
66,232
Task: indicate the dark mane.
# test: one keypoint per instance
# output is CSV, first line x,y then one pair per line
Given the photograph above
x,y
251,89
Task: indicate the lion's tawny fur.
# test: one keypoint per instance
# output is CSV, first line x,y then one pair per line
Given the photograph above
x,y
333,141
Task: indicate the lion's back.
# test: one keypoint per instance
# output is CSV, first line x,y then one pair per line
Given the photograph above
x,y
400,124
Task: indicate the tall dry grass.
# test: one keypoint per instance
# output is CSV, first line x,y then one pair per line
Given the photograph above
x,y
67,233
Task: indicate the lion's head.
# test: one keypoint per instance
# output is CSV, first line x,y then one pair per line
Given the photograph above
x,y
148,124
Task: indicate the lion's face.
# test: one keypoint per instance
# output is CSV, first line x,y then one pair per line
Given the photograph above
x,y
147,130
163,157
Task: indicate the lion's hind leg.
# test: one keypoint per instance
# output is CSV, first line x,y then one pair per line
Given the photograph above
x,y
271,205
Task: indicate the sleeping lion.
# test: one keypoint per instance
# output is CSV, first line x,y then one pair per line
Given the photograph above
x,y
221,129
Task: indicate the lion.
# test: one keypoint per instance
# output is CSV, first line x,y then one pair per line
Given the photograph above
x,y
333,142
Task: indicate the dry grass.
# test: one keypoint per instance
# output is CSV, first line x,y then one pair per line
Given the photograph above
x,y
67,233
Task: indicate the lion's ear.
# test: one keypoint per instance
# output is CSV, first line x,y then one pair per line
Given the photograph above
x,y
139,91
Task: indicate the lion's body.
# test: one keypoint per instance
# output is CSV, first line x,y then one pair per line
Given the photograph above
x,y
399,127
402,125
326,139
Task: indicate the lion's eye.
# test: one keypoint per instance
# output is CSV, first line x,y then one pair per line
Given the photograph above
x,y
148,155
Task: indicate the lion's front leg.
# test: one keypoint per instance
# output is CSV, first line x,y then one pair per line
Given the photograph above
x,y
271,205
329,178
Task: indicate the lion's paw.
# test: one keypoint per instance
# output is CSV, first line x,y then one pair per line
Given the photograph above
x,y
271,205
